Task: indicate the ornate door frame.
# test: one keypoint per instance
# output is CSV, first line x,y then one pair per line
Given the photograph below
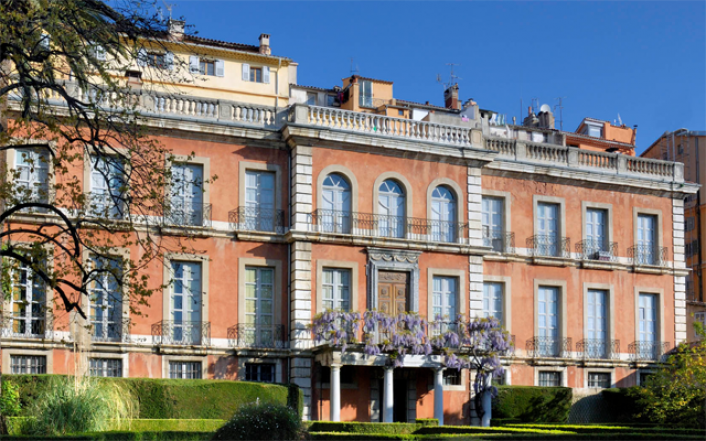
x,y
395,260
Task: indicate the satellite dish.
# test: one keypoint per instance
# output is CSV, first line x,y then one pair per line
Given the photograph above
x,y
545,108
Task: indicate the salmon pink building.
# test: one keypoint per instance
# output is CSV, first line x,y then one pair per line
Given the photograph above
x,y
350,199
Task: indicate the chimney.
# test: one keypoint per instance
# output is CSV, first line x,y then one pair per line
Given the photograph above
x,y
176,29
451,98
546,120
265,44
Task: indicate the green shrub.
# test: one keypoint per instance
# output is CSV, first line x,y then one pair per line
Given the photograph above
x,y
427,421
496,422
186,425
533,404
324,436
622,404
9,399
120,436
176,399
262,422
69,406
455,430
357,427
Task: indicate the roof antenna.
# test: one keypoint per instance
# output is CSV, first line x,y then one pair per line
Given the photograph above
x,y
169,7
561,111
453,78
354,71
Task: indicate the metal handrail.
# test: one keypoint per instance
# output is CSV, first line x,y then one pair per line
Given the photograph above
x,y
188,333
499,240
257,336
590,249
246,218
115,332
187,215
641,255
598,349
548,347
645,350
544,245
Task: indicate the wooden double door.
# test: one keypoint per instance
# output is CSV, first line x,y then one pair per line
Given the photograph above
x,y
393,291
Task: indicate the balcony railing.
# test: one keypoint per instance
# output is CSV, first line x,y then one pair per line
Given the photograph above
x,y
178,214
645,350
168,332
548,347
500,241
641,255
257,219
598,349
257,336
543,245
596,250
106,205
21,328
380,225
110,332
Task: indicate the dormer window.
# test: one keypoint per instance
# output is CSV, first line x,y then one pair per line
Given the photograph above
x,y
366,94
593,129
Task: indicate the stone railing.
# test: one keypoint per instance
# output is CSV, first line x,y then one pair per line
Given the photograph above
x,y
572,157
380,125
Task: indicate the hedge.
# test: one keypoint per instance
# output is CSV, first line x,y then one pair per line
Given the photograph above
x,y
120,436
370,428
598,428
533,404
14,425
178,399
468,430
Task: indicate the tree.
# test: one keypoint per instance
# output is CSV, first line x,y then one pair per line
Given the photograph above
x,y
675,394
66,106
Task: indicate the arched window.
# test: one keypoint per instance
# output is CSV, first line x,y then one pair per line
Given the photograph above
x,y
443,215
335,207
391,209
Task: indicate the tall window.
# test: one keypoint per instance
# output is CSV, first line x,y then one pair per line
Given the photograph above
x,y
646,252
186,302
493,300
106,367
187,195
647,332
549,379
263,372
28,364
548,321
336,204
445,301
391,208
33,178
207,67
185,370
492,222
260,200
259,303
443,215
547,240
596,327
107,187
28,302
366,93
106,299
596,231
599,380
336,285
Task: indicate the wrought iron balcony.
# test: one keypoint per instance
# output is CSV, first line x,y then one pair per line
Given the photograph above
x,y
548,347
380,225
543,245
110,332
106,205
180,214
257,219
645,350
598,349
257,336
596,250
641,255
15,327
168,332
500,241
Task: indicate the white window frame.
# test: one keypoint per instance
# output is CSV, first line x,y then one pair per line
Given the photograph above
x,y
351,267
507,298
562,370
659,228
109,300
104,366
561,218
463,300
609,313
608,208
659,293
167,281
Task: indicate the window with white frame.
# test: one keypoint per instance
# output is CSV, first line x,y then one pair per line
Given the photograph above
x,y
646,252
336,286
493,223
596,232
365,89
185,370
548,321
391,209
445,298
260,200
493,300
599,380
187,188
596,323
28,364
310,98
647,323
106,299
443,215
32,166
28,302
452,377
335,215
260,303
549,379
547,241
186,303
262,372
106,367
206,66
108,187
256,74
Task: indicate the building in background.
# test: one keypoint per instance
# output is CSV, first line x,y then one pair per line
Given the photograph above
x,y
349,198
689,147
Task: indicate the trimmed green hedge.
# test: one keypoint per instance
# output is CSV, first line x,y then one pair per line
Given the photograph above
x,y
369,428
179,399
458,430
427,421
121,436
14,425
533,404
315,436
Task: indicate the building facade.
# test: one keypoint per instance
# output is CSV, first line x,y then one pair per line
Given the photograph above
x,y
347,198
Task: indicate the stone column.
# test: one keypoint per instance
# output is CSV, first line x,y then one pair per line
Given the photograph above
x,y
439,395
389,396
486,402
335,392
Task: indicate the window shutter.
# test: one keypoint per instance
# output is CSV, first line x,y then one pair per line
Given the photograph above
x,y
194,64
142,58
266,74
246,72
220,68
169,60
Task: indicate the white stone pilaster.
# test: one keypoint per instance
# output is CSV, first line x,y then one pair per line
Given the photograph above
x,y
439,395
389,399
475,232
301,189
680,332
335,390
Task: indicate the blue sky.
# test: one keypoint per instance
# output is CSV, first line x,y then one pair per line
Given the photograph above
x,y
643,60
